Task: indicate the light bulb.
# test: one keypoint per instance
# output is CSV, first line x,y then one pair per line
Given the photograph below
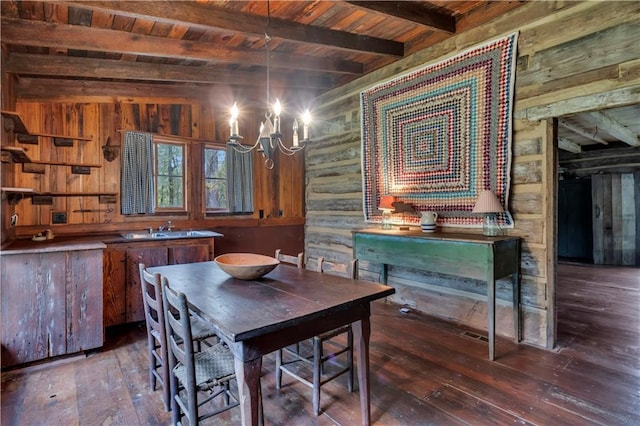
x,y
234,111
306,119
277,109
233,120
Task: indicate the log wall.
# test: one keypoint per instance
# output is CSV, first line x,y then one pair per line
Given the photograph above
x,y
571,57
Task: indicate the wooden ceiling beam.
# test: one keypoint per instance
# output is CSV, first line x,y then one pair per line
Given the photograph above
x,y
580,131
44,34
412,11
207,16
567,145
68,66
610,125
90,91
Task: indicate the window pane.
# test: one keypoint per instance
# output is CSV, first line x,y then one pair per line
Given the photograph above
x,y
170,159
215,179
216,193
170,175
170,192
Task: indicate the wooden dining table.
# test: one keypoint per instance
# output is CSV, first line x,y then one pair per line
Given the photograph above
x,y
284,307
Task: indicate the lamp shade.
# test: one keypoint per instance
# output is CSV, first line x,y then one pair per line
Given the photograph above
x,y
386,202
487,202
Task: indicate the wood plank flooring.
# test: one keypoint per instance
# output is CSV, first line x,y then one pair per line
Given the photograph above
x,y
423,371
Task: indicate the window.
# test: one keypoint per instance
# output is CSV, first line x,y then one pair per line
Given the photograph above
x,y
215,179
170,172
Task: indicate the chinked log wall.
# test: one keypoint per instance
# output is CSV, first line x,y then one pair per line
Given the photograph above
x,y
571,57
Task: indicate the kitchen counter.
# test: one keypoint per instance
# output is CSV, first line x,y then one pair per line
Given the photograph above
x,y
65,243
21,246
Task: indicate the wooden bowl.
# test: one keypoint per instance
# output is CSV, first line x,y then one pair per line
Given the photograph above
x,y
246,266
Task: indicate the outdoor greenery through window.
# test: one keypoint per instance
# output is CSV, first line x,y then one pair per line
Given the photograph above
x,y
215,179
170,172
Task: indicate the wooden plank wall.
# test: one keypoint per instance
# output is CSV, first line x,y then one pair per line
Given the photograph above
x,y
278,192
614,218
6,175
616,205
571,57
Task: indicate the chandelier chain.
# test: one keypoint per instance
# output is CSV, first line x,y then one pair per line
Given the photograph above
x,y
267,40
269,139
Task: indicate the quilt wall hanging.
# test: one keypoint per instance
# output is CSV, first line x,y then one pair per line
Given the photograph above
x,y
437,136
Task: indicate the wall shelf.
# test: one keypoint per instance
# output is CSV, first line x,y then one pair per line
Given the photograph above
x,y
15,195
23,135
19,155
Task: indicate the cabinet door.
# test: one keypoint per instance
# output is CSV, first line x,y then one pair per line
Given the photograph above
x,y
33,307
152,256
84,305
189,254
114,293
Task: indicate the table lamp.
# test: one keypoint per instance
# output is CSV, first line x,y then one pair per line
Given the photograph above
x,y
488,204
386,205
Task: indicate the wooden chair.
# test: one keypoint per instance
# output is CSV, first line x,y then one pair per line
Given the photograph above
x,y
293,260
320,356
210,370
156,336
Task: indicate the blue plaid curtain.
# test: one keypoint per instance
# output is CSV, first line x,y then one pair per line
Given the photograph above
x,y
240,181
137,188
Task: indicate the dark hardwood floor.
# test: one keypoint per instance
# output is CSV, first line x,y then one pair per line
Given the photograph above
x,y
423,371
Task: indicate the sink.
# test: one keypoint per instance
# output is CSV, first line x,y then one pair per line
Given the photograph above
x,y
168,235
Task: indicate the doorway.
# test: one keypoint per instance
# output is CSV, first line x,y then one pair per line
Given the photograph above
x,y
598,235
575,227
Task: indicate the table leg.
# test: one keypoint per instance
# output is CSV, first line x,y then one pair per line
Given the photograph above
x,y
248,377
491,302
516,297
361,335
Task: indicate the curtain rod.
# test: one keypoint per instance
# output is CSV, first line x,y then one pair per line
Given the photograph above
x,y
164,135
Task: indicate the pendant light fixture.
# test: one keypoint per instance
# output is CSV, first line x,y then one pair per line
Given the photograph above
x,y
270,138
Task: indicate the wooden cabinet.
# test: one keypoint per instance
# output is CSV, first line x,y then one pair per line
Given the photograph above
x,y
123,297
51,303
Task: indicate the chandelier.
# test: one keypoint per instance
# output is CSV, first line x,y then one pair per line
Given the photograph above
x,y
269,138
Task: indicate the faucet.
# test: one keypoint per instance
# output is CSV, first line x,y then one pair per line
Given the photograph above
x,y
166,227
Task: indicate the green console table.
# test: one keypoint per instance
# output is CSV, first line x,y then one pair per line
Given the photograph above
x,y
465,255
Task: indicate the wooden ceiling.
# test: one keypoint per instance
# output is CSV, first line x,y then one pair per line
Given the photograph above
x,y
597,130
315,45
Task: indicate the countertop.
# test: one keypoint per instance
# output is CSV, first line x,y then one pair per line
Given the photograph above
x,y
69,243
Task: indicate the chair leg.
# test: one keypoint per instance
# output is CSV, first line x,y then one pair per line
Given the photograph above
x,y
317,363
164,372
175,408
152,361
192,406
350,360
278,369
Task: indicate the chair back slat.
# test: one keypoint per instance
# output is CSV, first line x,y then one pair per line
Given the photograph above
x,y
152,299
178,326
349,270
293,260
